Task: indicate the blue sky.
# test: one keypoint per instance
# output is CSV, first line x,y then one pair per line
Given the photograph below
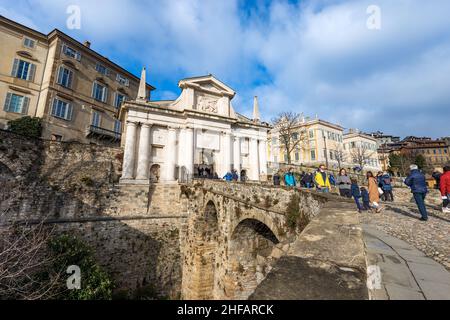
x,y
316,57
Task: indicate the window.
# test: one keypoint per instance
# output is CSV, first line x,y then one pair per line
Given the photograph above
x,y
119,99
65,77
62,109
29,43
23,70
445,151
275,159
295,136
122,80
274,141
17,104
70,52
117,126
102,69
313,155
311,133
95,119
331,155
285,158
99,92
297,156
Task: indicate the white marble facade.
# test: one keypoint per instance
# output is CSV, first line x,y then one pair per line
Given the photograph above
x,y
167,141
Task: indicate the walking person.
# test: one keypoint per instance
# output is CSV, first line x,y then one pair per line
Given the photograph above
x,y
437,174
344,184
276,179
417,182
289,178
322,180
386,186
356,193
445,189
365,199
374,194
379,177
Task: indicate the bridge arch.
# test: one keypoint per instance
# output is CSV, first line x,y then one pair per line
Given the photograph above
x,y
249,257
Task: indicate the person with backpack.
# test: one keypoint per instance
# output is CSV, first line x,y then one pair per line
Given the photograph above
x,y
445,189
386,186
417,182
289,178
235,175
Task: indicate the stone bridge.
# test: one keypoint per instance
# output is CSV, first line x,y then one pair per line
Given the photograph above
x,y
235,232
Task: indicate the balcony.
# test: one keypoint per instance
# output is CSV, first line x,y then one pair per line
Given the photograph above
x,y
102,134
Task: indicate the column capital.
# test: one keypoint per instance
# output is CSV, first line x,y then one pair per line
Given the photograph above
x,y
131,123
147,125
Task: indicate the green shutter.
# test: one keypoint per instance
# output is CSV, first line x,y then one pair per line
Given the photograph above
x,y
69,111
25,104
7,101
31,72
15,66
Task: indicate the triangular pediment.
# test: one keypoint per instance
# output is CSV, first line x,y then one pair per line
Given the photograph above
x,y
208,84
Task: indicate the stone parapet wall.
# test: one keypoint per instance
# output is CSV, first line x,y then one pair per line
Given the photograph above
x,y
327,261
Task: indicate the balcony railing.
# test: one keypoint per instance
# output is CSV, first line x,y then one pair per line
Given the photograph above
x,y
102,133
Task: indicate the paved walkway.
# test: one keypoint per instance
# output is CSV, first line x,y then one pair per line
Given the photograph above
x,y
398,271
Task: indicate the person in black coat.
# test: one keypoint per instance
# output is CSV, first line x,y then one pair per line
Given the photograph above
x,y
276,179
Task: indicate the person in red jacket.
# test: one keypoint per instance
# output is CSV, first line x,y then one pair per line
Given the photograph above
x,y
445,189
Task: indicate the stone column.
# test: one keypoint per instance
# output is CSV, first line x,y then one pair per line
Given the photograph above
x,y
170,154
237,154
226,154
263,159
129,152
253,159
144,152
189,148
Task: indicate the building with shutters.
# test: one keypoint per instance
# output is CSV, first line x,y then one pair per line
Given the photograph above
x,y
75,90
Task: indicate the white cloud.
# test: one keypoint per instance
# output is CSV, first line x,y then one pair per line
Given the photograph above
x,y
312,57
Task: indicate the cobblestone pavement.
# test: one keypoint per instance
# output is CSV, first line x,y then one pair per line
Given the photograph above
x,y
401,221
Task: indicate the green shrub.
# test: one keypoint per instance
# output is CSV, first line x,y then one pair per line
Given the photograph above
x,y
96,284
26,126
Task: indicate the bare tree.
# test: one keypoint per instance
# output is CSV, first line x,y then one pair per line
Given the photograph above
x,y
291,135
339,154
361,155
23,257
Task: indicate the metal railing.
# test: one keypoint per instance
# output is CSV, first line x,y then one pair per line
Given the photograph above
x,y
103,133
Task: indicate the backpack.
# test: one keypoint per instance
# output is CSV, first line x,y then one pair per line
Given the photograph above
x,y
387,181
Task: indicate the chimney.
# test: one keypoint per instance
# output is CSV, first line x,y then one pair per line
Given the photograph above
x,y
87,44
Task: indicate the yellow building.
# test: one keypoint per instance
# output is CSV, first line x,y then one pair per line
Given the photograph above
x,y
75,90
320,143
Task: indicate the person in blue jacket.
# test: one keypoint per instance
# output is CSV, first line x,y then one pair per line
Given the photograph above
x,y
365,198
386,186
228,176
417,182
356,193
289,178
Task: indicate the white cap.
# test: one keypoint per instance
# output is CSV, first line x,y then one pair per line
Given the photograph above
x,y
413,167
